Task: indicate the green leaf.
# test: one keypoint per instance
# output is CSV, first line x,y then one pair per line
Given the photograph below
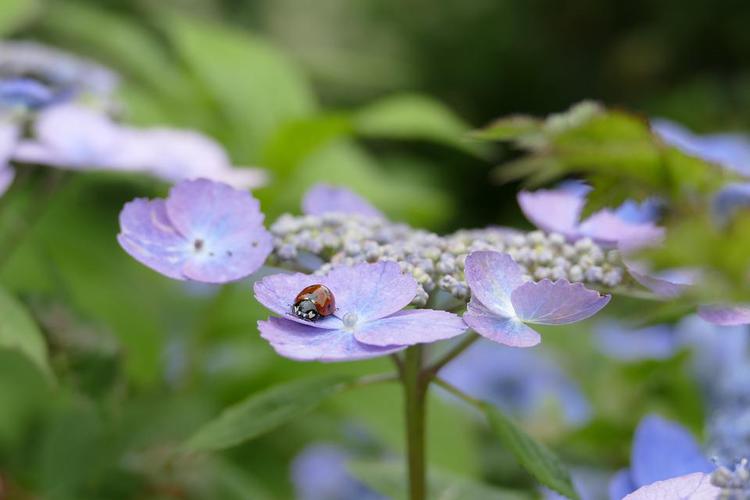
x,y
533,456
255,87
510,128
418,117
264,412
19,332
14,14
389,478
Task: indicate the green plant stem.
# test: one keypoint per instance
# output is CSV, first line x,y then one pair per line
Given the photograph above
x,y
458,393
471,337
415,392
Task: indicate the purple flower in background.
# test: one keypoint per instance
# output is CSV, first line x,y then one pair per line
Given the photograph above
x,y
368,321
27,93
559,211
76,137
204,231
502,301
34,76
9,133
662,449
319,473
729,150
726,315
523,382
323,198
175,155
688,487
620,342
728,201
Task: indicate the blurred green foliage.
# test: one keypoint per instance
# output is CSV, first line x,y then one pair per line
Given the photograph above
x,y
380,96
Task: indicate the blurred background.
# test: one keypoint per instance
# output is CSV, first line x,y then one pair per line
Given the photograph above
x,y
377,95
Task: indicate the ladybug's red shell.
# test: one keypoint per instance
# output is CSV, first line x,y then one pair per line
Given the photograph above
x,y
314,302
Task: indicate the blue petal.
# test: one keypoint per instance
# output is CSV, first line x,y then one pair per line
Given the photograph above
x,y
621,484
663,449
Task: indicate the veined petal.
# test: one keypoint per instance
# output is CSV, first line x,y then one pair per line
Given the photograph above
x,y
690,487
492,277
508,331
148,235
307,343
323,198
278,291
412,326
553,210
556,303
370,291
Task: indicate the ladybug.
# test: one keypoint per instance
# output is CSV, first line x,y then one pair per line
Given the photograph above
x,y
314,302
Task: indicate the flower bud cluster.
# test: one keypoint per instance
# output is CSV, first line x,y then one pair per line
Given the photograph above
x,y
319,242
734,482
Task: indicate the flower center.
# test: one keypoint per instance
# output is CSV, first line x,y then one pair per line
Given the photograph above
x,y
350,320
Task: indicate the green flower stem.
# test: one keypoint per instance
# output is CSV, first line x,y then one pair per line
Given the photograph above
x,y
415,392
459,393
471,337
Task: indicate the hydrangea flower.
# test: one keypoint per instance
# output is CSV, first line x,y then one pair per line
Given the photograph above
x,y
319,473
370,319
204,231
502,301
523,382
662,449
34,76
726,315
174,155
323,198
688,487
77,137
728,201
619,342
559,211
728,150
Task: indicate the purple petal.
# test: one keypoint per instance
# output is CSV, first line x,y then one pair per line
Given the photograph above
x,y
323,198
556,303
608,229
147,234
668,284
225,227
73,136
725,315
507,331
690,487
621,484
371,291
553,211
308,343
492,277
278,291
728,150
409,327
663,449
364,291
176,155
